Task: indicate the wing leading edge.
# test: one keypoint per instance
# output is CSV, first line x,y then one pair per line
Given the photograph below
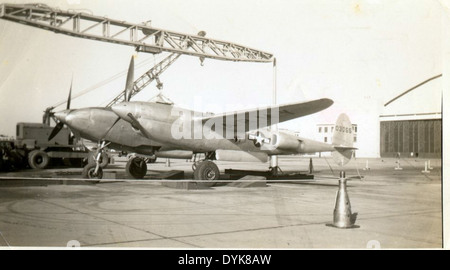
x,y
253,119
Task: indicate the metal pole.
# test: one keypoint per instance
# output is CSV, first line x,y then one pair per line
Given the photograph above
x,y
274,128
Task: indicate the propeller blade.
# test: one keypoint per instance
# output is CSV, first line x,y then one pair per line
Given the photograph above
x,y
70,95
56,130
130,80
135,123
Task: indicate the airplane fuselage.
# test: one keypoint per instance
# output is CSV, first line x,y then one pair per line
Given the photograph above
x,y
98,124
184,129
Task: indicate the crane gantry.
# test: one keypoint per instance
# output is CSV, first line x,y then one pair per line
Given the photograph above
x,y
142,36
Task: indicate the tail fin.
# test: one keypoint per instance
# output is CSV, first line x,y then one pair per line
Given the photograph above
x,y
343,140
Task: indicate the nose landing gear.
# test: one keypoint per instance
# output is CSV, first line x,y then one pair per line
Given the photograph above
x,y
94,170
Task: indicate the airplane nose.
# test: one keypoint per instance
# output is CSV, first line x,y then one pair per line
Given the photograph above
x,y
123,109
62,115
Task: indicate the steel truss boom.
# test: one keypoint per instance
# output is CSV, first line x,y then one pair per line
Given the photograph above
x,y
141,36
149,76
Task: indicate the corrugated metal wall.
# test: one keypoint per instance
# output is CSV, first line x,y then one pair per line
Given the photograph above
x,y
420,137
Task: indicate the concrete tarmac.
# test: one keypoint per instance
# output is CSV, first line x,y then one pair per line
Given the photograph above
x,y
55,209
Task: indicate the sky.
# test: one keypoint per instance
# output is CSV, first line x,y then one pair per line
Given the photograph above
x,y
361,54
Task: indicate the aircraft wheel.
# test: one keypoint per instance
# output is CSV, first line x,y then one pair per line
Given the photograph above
x,y
207,170
104,159
136,168
152,160
89,172
38,159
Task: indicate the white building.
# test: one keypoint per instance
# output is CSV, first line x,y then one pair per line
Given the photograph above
x,y
325,134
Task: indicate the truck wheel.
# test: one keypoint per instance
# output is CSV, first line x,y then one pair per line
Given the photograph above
x,y
38,159
89,172
104,159
136,168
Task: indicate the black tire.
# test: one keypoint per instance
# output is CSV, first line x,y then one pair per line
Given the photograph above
x,y
136,168
38,159
104,159
88,172
207,170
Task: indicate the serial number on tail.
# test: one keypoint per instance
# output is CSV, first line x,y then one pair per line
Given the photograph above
x,y
343,129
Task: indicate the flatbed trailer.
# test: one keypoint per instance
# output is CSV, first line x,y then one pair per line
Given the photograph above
x,y
31,148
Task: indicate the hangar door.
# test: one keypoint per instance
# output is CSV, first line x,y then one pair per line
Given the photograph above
x,y
412,138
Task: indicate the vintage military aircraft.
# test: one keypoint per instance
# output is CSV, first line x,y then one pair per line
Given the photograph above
x,y
160,128
230,136
101,124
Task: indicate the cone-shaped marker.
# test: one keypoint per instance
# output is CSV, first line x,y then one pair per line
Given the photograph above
x,y
367,168
426,168
342,214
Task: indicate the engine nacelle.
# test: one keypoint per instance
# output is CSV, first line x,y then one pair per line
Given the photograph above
x,y
241,156
177,154
286,142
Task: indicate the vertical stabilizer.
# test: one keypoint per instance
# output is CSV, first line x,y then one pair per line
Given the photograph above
x,y
343,140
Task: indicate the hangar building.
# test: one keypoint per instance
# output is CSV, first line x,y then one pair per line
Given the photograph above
x,y
411,123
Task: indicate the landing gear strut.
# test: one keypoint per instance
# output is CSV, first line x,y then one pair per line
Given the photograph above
x,y
275,171
95,170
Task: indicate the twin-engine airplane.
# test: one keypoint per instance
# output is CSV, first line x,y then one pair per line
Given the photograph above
x,y
165,130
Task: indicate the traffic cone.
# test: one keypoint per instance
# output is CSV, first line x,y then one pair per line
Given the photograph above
x,y
398,165
367,166
426,168
342,214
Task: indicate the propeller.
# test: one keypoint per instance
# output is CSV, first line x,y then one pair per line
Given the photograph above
x,y
60,124
130,80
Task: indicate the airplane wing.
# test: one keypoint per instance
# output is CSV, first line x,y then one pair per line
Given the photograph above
x,y
253,119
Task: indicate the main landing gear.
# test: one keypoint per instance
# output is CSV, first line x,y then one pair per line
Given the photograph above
x,y
206,170
136,167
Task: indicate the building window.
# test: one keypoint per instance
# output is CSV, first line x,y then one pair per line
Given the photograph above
x,y
325,129
325,139
332,128
354,139
320,129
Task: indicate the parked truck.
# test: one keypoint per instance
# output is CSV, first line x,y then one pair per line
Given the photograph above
x,y
31,148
